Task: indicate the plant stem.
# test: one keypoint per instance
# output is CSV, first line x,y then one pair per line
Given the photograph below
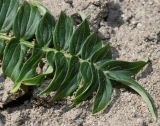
x,y
4,37
45,49
8,38
26,43
31,45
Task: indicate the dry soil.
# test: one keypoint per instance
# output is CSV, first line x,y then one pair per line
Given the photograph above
x,y
133,29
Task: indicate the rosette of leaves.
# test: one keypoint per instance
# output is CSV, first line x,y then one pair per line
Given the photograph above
x,y
78,62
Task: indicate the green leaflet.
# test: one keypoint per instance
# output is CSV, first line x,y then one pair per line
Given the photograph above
x,y
29,68
51,59
2,46
8,10
101,55
13,59
63,31
90,83
120,77
44,30
26,21
61,66
131,68
104,93
70,82
42,9
44,37
91,45
34,81
78,37
38,79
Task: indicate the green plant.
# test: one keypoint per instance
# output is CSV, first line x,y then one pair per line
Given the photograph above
x,y
77,60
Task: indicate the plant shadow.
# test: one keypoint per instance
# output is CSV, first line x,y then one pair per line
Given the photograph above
x,y
2,119
114,16
147,71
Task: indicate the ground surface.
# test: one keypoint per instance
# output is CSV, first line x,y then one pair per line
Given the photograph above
x,y
133,28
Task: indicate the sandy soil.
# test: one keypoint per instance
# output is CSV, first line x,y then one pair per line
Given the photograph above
x,y
133,28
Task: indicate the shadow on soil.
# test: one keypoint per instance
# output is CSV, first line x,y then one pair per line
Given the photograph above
x,y
147,71
2,120
114,17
